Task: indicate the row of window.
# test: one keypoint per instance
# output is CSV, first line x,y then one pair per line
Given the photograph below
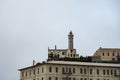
x,y
108,54
69,78
31,72
85,71
70,70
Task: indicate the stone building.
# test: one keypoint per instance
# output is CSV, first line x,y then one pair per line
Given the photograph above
x,y
54,69
107,54
65,70
55,54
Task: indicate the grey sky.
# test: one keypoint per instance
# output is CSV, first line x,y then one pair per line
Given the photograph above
x,y
28,27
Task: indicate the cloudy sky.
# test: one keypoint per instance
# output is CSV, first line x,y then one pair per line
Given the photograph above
x,y
28,27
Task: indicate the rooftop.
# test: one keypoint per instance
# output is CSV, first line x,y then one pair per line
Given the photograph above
x,y
75,64
84,63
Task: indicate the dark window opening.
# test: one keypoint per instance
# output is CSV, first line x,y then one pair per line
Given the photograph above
x,y
97,71
56,69
50,69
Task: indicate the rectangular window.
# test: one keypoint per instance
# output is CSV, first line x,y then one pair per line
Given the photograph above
x,y
98,71
63,70
50,69
81,70
107,72
34,71
50,78
81,78
103,72
38,71
103,54
56,78
114,72
111,72
73,78
26,73
66,69
42,78
90,71
69,79
22,74
56,69
30,72
42,69
85,71
108,54
113,54
73,70
85,78
69,70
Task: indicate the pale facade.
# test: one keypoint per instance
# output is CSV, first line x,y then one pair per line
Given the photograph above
x,y
64,70
54,54
107,54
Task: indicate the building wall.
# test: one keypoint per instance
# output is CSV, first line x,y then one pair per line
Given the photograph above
x,y
62,53
48,72
107,54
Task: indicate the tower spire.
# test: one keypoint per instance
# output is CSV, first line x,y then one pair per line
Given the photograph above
x,y
70,40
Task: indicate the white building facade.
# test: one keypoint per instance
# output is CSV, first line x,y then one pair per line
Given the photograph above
x,y
65,70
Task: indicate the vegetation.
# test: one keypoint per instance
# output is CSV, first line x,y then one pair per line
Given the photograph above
x,y
80,59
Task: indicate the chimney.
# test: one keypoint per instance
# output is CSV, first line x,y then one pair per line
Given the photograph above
x,y
55,47
33,62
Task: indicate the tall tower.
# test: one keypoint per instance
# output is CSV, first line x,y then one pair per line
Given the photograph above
x,y
70,40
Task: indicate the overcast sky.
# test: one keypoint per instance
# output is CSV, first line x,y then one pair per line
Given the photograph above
x,y
28,27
